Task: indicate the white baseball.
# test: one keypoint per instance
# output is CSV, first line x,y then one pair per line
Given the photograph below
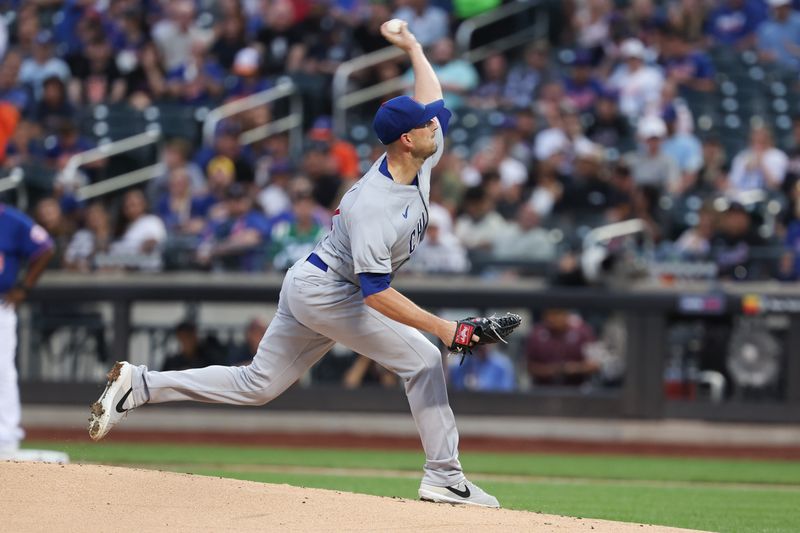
x,y
394,26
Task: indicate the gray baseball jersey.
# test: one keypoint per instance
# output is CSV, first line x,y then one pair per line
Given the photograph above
x,y
379,222
378,226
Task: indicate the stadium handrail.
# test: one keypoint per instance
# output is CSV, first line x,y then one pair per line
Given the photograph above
x,y
463,36
292,123
613,231
120,182
344,100
106,150
14,181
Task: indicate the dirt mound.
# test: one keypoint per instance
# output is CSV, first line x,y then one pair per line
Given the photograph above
x,y
87,498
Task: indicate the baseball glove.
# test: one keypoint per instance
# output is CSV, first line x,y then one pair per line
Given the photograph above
x,y
490,330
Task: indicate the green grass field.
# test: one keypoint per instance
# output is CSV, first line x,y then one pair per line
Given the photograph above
x,y
710,494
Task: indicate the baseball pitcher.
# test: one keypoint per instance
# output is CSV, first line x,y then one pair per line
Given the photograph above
x,y
341,293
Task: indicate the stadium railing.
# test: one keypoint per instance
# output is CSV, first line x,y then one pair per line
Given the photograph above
x,y
16,181
104,151
292,123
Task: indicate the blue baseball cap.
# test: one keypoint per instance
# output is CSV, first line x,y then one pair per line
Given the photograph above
x,y
670,114
402,114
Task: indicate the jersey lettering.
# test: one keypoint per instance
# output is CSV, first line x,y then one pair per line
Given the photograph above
x,y
418,233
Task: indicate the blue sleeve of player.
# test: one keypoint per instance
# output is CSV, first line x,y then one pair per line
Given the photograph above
x,y
373,283
32,239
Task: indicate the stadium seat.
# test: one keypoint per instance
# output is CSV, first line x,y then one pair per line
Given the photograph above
x,y
178,120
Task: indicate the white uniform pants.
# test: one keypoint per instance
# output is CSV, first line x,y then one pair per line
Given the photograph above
x,y
315,310
10,431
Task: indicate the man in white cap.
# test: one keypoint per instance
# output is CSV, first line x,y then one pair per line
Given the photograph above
x,y
246,68
650,166
639,85
778,39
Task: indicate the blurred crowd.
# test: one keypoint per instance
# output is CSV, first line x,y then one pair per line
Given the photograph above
x,y
596,122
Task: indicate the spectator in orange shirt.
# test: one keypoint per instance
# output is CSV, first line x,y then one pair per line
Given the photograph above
x,y
9,118
342,151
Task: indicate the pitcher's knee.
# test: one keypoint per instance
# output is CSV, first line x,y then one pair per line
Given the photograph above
x,y
431,358
259,389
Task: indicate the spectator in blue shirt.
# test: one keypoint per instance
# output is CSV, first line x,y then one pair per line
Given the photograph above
x,y
790,266
127,33
429,23
10,91
490,93
67,142
734,22
486,370
181,211
237,242
778,39
42,64
686,65
66,28
735,246
457,76
684,148
525,78
581,88
198,80
54,107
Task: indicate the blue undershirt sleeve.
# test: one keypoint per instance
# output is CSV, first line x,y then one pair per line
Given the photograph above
x,y
373,283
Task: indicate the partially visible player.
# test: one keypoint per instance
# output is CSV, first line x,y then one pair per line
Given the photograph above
x,y
21,242
341,293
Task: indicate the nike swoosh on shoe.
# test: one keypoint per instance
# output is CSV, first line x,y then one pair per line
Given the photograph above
x,y
463,493
121,402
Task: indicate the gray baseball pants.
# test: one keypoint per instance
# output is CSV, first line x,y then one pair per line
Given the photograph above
x,y
315,310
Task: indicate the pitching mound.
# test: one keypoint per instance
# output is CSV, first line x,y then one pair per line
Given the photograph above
x,y
86,498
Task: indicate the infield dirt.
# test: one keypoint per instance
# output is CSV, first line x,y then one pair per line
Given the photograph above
x,y
87,498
